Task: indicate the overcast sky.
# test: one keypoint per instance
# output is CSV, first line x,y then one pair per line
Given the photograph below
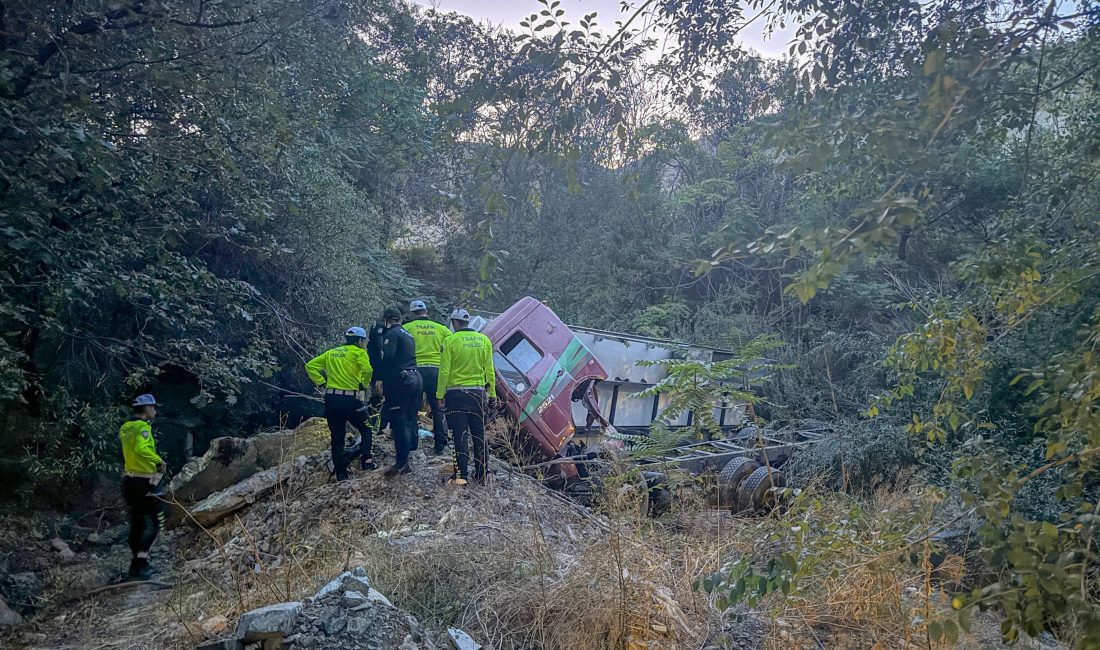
x,y
509,12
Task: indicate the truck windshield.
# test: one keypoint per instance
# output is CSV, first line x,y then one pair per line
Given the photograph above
x,y
521,352
509,373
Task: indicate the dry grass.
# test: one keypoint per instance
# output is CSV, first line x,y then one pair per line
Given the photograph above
x,y
510,562
518,566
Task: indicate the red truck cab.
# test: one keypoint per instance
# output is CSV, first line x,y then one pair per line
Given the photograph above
x,y
541,368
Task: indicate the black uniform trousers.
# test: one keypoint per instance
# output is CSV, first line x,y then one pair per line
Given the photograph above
x,y
146,512
430,375
340,410
466,417
403,396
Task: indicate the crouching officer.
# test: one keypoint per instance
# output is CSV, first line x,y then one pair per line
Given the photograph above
x,y
429,336
466,376
143,471
402,387
343,372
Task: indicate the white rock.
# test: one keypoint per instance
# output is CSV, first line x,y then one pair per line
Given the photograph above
x,y
376,596
355,580
461,640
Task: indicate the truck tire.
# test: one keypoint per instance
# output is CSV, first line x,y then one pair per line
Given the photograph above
x,y
735,471
660,497
584,492
755,493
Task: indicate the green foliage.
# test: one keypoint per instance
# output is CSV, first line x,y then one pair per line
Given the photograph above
x,y
700,387
912,212
197,198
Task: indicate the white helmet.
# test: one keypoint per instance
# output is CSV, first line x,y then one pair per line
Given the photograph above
x,y
417,305
460,314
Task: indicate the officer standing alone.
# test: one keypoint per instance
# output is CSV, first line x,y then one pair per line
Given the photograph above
x,y
429,336
143,469
402,387
466,377
343,372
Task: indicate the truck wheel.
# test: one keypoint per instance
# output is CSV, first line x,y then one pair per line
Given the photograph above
x,y
755,493
660,497
584,492
735,471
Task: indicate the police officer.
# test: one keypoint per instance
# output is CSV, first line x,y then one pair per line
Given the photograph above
x,y
402,387
374,350
429,336
143,469
343,372
466,376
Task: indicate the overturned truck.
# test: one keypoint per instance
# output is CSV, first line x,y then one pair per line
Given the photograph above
x,y
570,410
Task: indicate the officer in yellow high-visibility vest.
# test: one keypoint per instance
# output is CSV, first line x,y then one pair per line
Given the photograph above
x,y
344,371
466,378
143,469
429,336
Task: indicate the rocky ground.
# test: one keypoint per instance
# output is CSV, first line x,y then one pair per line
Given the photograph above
x,y
510,562
284,557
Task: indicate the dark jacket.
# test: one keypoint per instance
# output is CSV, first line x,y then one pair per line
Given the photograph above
x,y
374,346
398,352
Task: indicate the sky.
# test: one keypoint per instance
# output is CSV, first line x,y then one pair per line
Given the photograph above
x,y
510,12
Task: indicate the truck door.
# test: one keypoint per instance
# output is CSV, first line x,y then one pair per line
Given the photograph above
x,y
548,380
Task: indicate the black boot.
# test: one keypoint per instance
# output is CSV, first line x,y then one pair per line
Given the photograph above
x,y
135,569
140,569
397,469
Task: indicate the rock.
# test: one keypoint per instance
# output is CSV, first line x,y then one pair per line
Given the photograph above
x,y
228,461
214,626
221,644
95,539
331,621
461,640
62,548
25,580
220,505
358,625
353,599
8,618
275,447
271,622
355,581
376,596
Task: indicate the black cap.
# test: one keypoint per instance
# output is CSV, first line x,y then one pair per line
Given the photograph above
x,y
391,313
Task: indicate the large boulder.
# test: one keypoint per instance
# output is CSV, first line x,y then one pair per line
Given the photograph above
x,y
228,461
274,447
271,622
8,618
220,505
